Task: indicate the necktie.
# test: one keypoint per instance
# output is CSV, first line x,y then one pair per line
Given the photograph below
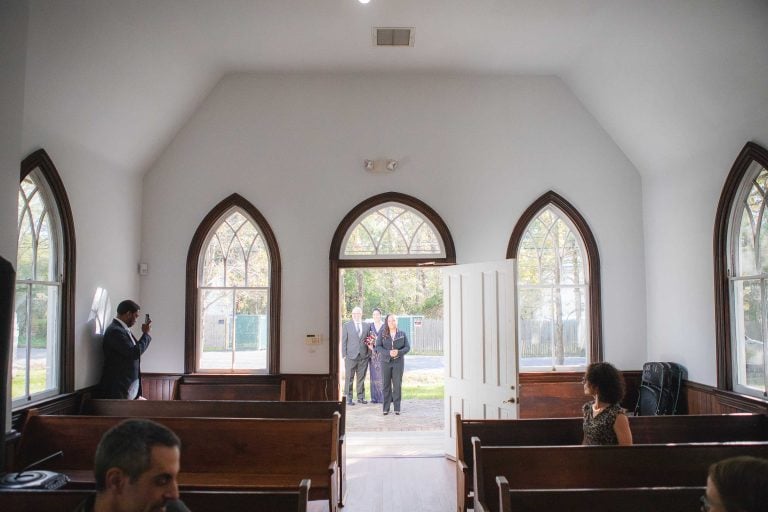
x,y
359,330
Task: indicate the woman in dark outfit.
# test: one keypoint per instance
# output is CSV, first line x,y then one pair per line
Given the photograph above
x,y
392,345
605,422
377,326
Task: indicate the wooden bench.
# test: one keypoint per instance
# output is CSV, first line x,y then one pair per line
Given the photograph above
x,y
569,431
624,499
229,409
216,454
585,467
66,500
222,391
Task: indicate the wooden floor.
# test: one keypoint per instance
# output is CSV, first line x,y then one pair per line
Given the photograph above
x,y
394,484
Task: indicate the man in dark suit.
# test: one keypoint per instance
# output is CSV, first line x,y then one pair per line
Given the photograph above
x,y
355,354
121,377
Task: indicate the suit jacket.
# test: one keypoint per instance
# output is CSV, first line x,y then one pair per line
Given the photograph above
x,y
385,343
122,361
352,345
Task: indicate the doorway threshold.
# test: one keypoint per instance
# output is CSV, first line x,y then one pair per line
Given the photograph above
x,y
428,443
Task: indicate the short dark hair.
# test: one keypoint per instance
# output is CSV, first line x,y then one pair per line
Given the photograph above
x,y
127,306
608,381
128,446
742,483
376,309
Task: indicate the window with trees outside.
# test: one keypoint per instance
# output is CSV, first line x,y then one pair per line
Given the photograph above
x,y
747,274
553,288
42,341
235,291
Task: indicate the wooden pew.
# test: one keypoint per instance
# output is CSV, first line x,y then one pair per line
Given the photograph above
x,y
584,467
223,391
569,431
246,454
66,500
624,499
229,409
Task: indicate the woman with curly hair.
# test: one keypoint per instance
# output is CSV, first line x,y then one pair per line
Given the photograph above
x,y
605,422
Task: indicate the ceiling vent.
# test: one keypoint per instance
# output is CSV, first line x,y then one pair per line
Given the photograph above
x,y
393,36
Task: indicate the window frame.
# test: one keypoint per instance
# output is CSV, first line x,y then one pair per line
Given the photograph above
x,y
592,264
733,188
338,260
56,193
194,255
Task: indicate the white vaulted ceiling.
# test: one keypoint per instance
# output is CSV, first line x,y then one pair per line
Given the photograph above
x,y
665,78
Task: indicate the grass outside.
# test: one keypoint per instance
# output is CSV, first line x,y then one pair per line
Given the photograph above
x,y
419,385
37,382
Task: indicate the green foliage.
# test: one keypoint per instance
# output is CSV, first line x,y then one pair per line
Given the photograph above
x,y
412,291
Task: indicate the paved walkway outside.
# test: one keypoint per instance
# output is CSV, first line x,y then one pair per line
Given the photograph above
x,y
415,415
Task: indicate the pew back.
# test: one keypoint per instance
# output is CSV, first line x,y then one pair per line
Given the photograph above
x,y
625,499
216,453
66,500
229,409
221,391
551,467
215,409
569,431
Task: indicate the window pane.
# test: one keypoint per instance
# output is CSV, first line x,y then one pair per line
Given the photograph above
x,y
258,264
251,329
43,371
213,264
746,251
20,332
392,230
233,318
552,294
750,349
25,255
215,329
360,243
46,269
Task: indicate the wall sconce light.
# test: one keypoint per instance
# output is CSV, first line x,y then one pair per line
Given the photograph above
x,y
380,165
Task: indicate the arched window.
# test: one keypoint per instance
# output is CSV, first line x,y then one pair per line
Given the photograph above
x,y
42,337
741,275
392,230
233,292
389,230
557,287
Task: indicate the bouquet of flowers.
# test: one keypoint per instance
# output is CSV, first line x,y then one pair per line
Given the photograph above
x,y
370,340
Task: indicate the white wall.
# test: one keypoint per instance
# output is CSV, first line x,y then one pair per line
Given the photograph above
x,y
478,150
106,207
679,208
13,33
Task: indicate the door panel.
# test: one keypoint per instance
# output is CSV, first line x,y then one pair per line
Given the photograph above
x,y
481,343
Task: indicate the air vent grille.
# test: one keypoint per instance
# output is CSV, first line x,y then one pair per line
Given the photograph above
x,y
393,36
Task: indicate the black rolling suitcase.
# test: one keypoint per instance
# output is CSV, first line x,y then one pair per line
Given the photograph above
x,y
660,389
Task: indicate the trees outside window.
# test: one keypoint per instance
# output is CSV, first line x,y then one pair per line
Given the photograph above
x,y
42,337
558,321
235,299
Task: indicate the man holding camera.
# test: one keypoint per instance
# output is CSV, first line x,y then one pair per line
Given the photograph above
x,y
121,377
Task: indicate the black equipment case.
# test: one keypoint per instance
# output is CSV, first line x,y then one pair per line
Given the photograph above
x,y
660,389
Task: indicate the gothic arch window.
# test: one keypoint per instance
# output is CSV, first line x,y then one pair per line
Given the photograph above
x,y
233,292
558,287
741,275
43,341
387,230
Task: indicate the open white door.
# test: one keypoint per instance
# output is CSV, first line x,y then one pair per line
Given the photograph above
x,y
480,345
